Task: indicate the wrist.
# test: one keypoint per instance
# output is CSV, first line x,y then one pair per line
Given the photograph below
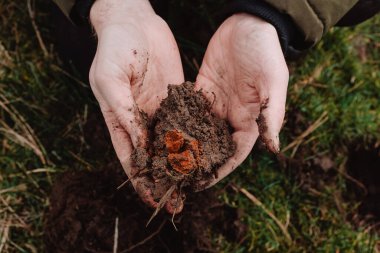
x,y
243,25
244,20
285,27
111,12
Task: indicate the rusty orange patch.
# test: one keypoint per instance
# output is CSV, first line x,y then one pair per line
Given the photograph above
x,y
174,141
183,162
187,160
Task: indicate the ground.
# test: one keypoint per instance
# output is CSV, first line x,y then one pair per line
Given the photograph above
x,y
320,194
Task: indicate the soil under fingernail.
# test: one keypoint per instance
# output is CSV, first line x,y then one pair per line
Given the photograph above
x,y
263,129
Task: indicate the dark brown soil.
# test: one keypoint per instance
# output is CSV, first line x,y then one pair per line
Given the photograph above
x,y
187,142
364,166
84,207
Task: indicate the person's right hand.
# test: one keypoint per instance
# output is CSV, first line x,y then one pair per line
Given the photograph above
x,y
136,58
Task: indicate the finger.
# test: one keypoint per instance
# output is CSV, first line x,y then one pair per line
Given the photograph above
x,y
123,147
120,139
144,188
175,203
272,108
119,103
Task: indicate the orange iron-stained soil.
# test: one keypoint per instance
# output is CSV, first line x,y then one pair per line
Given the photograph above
x,y
183,152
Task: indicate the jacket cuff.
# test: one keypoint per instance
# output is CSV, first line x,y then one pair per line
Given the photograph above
x,y
285,27
362,10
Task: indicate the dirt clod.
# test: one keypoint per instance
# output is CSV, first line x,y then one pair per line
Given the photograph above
x,y
84,206
187,143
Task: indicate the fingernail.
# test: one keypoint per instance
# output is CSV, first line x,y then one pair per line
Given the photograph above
x,y
272,142
276,144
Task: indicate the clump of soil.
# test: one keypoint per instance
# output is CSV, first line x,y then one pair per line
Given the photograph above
x,y
187,142
84,207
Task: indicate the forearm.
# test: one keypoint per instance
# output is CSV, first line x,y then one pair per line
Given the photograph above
x,y
363,10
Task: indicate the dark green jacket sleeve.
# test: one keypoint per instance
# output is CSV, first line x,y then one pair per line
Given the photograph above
x,y
313,17
301,23
65,6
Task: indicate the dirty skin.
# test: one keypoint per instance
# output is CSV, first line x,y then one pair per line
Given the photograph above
x,y
263,127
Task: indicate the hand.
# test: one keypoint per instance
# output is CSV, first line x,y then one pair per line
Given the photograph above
x,y
244,70
136,58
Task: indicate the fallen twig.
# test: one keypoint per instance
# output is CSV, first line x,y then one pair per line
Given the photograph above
x,y
4,233
116,235
59,69
27,138
146,239
175,209
134,176
32,16
342,170
258,203
319,122
162,202
14,213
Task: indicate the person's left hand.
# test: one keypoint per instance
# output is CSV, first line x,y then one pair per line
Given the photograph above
x,y
244,72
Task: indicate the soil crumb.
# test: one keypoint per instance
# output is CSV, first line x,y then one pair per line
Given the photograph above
x,y
187,143
84,207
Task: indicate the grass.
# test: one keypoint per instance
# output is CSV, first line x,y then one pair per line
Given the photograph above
x,y
333,103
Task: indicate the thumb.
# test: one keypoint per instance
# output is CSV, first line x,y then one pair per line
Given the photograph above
x,y
272,109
